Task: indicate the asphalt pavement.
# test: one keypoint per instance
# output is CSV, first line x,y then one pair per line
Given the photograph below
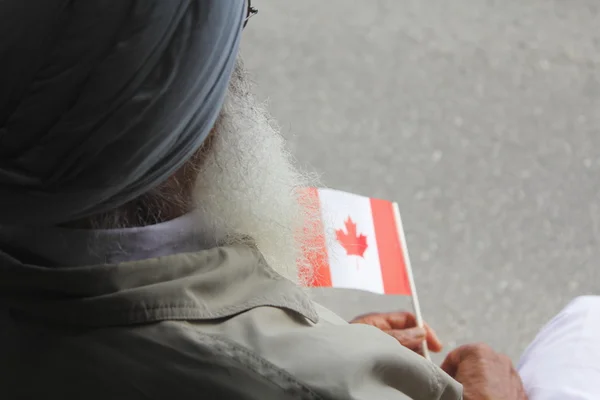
x,y
480,118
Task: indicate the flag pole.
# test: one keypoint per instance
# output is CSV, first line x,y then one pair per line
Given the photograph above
x,y
411,280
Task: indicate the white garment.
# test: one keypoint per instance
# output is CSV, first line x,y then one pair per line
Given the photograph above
x,y
73,247
563,362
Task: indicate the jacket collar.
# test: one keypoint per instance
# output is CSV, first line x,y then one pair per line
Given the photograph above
x,y
181,279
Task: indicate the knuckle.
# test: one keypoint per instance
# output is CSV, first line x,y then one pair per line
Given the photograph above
x,y
401,335
479,348
477,351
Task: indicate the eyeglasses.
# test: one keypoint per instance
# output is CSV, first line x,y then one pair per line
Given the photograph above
x,y
251,12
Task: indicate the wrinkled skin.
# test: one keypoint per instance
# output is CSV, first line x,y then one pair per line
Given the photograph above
x,y
484,373
403,327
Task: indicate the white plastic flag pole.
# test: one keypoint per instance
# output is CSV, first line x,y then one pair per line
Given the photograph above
x,y
411,280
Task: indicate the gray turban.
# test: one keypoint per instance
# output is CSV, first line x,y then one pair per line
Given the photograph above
x,y
102,100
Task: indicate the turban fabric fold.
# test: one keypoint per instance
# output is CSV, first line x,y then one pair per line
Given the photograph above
x,y
102,100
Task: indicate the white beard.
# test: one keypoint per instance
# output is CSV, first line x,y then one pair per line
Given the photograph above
x,y
248,186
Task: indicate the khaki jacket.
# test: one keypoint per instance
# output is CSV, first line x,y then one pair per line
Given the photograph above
x,y
218,323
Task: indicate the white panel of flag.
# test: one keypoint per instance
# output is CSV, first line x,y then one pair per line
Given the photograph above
x,y
362,244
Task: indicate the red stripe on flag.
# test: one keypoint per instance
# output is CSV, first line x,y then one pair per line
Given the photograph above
x,y
316,250
391,258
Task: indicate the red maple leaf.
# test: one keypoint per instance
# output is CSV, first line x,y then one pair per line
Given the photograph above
x,y
354,245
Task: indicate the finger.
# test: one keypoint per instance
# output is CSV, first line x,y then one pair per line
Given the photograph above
x,y
377,320
411,338
457,356
451,362
454,358
374,319
433,342
361,317
404,320
401,320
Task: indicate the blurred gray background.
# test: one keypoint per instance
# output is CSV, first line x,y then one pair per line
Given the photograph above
x,y
481,118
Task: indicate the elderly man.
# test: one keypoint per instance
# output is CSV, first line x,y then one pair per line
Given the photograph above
x,y
150,220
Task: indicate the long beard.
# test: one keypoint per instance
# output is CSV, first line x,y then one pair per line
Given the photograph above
x,y
249,187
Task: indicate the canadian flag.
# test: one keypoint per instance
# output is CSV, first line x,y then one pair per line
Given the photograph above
x,y
362,245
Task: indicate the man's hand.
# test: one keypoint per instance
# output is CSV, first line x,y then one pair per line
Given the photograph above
x,y
484,374
403,327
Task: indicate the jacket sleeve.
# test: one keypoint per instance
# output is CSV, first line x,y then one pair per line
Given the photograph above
x,y
338,360
153,362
